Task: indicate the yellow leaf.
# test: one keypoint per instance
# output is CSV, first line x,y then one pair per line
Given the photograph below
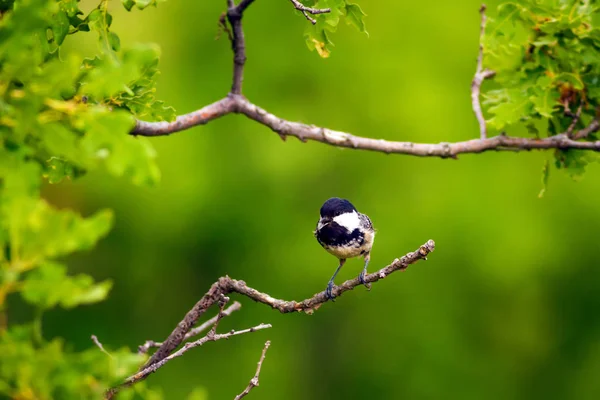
x,y
321,49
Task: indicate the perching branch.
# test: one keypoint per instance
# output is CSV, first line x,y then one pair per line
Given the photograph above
x,y
226,285
480,75
217,294
308,10
254,381
236,103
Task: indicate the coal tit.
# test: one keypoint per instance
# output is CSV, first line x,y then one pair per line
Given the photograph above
x,y
345,233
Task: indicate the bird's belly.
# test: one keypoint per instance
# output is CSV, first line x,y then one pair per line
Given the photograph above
x,y
352,249
344,251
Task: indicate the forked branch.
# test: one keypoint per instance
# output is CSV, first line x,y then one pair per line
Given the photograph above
x,y
217,294
227,285
236,103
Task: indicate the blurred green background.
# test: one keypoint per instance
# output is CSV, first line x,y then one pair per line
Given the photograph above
x,y
506,307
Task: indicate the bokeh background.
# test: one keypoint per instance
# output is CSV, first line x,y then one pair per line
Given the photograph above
x,y
508,305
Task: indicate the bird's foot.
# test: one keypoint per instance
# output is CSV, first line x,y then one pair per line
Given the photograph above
x,y
329,292
362,280
361,277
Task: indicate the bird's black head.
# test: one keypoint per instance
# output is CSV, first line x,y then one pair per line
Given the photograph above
x,y
336,206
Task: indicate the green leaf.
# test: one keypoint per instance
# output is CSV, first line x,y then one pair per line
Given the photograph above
x,y
60,27
38,231
355,16
115,42
574,161
59,169
316,36
128,4
508,106
544,97
49,286
140,4
108,143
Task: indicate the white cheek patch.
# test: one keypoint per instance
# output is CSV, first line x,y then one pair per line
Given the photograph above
x,y
350,220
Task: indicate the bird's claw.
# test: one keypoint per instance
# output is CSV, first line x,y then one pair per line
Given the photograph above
x,y
329,292
361,278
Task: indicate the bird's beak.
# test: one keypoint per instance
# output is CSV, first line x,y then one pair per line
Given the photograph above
x,y
323,222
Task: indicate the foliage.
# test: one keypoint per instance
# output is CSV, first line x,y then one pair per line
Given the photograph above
x,y
547,59
317,37
61,116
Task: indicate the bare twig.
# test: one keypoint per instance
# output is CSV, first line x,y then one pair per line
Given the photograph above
x,y
594,126
226,285
308,10
575,117
254,381
480,76
238,43
144,373
97,343
195,331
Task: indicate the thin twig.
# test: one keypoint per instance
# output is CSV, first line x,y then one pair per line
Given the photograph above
x,y
226,285
480,76
97,343
195,331
143,374
238,43
594,126
308,10
254,381
575,117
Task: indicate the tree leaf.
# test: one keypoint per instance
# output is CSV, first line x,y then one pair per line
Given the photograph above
x,y
355,16
49,285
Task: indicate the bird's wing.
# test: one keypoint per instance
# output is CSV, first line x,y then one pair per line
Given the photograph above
x,y
365,221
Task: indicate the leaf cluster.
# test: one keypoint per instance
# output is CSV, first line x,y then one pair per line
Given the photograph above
x,y
317,35
546,54
61,116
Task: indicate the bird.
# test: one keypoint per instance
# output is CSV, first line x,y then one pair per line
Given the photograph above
x,y
345,233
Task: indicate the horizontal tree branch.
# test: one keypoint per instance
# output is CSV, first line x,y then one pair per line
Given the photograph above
x,y
226,285
235,102
304,132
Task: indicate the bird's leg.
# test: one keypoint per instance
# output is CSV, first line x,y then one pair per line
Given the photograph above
x,y
328,291
363,274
